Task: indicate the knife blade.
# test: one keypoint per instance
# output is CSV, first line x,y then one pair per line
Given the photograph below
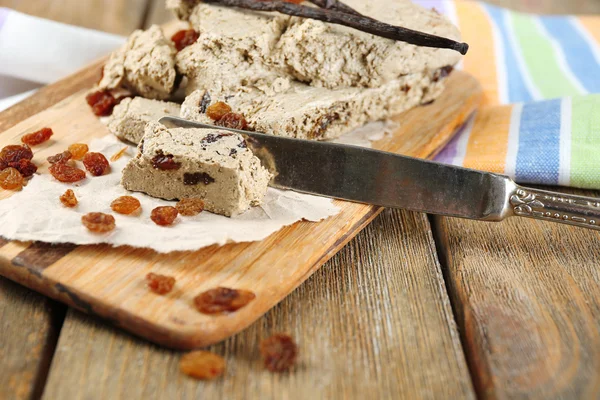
x,y
391,180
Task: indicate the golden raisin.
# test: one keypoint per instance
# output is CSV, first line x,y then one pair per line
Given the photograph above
x,y
218,110
160,284
118,154
98,222
14,153
68,199
190,207
60,157
66,173
25,167
202,365
95,163
222,300
39,137
233,120
102,102
11,179
164,216
279,352
78,150
125,205
184,38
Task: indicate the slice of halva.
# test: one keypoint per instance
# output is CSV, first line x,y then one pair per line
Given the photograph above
x,y
213,165
145,65
130,117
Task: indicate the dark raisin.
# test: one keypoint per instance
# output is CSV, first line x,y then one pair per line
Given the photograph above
x,y
39,137
279,352
205,102
185,38
211,138
196,178
25,167
442,73
164,162
60,157
222,300
233,121
232,152
96,163
102,102
243,144
14,153
322,124
405,88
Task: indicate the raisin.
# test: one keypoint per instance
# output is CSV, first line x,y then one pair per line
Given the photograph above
x,y
222,300
14,153
211,138
98,222
205,102
3,164
195,178
102,102
39,137
125,205
233,121
190,207
164,216
160,284
322,124
185,38
60,157
202,365
25,167
66,173
164,162
78,150
11,179
218,110
95,163
405,88
243,144
442,73
68,199
279,352
232,152
118,154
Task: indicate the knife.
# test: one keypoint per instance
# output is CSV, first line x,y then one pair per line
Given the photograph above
x,y
390,180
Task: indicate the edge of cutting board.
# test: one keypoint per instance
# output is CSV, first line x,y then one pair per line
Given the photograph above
x,y
108,282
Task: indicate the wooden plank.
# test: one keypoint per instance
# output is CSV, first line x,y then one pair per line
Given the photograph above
x,y
527,299
85,277
114,16
375,322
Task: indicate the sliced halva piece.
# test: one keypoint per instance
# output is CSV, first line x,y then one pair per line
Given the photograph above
x,y
130,118
307,112
144,65
210,164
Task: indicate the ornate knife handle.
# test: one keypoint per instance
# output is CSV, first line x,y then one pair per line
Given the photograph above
x,y
557,207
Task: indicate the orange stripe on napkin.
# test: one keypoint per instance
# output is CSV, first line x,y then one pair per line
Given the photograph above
x,y
592,25
480,61
488,142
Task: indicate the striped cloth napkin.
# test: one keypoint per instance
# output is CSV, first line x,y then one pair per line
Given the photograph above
x,y
540,123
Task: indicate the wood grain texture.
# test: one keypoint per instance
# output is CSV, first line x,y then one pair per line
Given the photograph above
x,y
375,322
110,282
114,16
527,299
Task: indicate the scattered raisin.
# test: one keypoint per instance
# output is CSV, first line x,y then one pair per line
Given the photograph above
x,y
125,205
405,88
442,73
68,199
322,125
232,152
164,162
211,137
14,153
102,102
3,164
60,157
66,173
11,179
95,163
222,300
78,150
197,177
118,154
164,216
205,102
279,352
243,144
98,222
202,365
190,207
233,121
160,284
218,110
185,38
39,137
25,167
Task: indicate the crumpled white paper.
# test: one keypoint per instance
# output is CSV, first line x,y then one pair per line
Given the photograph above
x,y
36,213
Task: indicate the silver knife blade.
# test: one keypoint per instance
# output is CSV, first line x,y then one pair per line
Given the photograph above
x,y
374,177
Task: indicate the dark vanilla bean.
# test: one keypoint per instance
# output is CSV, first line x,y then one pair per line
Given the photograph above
x,y
359,22
335,5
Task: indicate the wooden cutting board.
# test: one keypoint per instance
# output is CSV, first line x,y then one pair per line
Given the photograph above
x,y
109,282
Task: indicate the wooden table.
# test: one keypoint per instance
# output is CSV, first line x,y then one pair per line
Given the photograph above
x,y
414,307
